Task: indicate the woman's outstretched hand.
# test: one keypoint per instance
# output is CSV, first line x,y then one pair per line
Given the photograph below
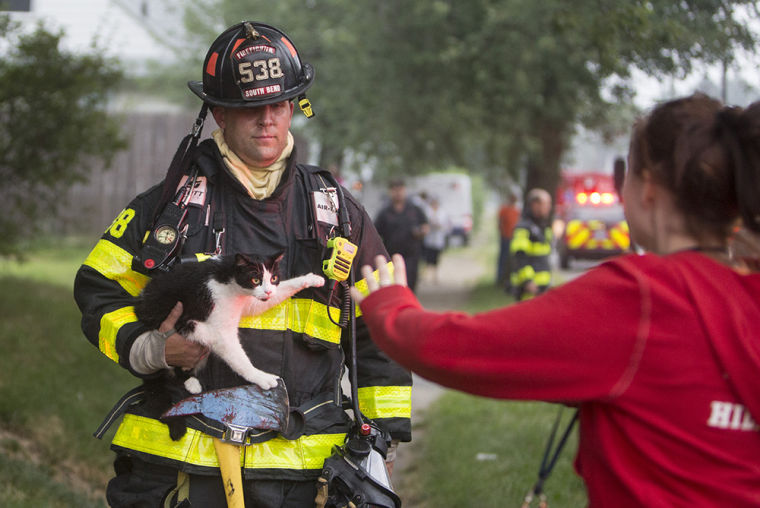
x,y
384,276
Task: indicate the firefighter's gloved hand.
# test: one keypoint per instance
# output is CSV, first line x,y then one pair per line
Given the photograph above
x,y
384,276
163,348
178,351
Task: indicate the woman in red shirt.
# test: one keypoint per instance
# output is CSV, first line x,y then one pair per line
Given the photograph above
x,y
661,352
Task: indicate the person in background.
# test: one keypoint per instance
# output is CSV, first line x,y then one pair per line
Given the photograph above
x,y
531,246
435,240
509,214
660,351
249,195
402,225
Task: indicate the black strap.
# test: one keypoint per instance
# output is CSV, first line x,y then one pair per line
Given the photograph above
x,y
306,417
181,161
547,463
132,397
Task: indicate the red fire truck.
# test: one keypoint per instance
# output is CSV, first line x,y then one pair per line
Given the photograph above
x,y
594,226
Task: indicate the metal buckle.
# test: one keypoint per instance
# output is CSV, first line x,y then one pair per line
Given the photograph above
x,y
218,233
236,434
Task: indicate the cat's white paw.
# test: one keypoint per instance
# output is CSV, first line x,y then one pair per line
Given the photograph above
x,y
265,381
314,281
193,386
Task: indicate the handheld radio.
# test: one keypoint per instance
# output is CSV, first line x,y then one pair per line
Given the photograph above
x,y
338,265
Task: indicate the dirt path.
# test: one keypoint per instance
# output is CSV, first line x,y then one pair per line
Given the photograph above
x,y
457,275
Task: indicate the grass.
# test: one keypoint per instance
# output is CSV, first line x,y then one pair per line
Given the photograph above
x,y
483,452
486,453
55,387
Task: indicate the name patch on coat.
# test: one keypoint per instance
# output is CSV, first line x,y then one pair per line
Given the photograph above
x,y
326,205
198,194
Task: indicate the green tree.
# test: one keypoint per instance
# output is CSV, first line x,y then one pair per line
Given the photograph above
x,y
496,86
53,126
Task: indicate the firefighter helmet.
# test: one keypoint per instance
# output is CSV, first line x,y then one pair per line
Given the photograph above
x,y
252,64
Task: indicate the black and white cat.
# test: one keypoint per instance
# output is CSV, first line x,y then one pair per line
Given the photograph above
x,y
214,295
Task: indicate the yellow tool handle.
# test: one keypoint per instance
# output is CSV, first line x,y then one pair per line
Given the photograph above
x,y
229,464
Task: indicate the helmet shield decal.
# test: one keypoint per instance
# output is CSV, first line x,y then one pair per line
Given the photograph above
x,y
252,64
258,70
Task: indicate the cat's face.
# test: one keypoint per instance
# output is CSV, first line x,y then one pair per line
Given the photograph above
x,y
259,275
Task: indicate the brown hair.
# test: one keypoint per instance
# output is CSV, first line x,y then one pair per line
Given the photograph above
x,y
708,156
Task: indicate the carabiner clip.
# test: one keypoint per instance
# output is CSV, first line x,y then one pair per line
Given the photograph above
x,y
218,241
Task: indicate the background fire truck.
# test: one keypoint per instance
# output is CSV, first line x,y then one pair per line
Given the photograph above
x,y
590,210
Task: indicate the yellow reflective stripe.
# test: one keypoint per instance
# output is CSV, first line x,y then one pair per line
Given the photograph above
x,y
306,452
539,249
525,273
620,236
110,324
573,226
386,401
115,263
361,285
542,278
520,240
151,436
579,237
300,315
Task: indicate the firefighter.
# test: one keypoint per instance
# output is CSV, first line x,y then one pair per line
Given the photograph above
x,y
249,194
531,246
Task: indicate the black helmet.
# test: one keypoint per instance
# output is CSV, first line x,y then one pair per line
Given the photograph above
x,y
252,64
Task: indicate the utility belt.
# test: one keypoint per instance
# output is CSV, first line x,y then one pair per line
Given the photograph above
x,y
310,417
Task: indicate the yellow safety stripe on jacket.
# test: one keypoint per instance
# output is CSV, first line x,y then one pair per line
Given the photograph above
x,y
115,263
110,324
361,285
386,401
526,273
300,315
521,242
523,274
542,278
151,436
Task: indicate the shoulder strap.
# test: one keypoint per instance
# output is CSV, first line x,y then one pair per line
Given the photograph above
x,y
170,211
180,163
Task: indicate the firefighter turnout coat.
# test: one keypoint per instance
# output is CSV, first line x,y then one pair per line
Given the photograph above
x,y
296,340
530,249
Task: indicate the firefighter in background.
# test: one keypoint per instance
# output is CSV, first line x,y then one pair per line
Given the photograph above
x,y
250,196
531,246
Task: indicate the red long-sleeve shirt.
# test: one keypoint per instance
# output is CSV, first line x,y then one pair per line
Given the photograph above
x,y
662,354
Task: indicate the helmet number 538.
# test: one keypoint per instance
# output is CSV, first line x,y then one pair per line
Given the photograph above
x,y
266,69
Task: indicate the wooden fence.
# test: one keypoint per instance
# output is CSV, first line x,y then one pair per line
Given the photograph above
x,y
153,139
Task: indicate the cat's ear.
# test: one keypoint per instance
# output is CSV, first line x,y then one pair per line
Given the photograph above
x,y
277,259
242,260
